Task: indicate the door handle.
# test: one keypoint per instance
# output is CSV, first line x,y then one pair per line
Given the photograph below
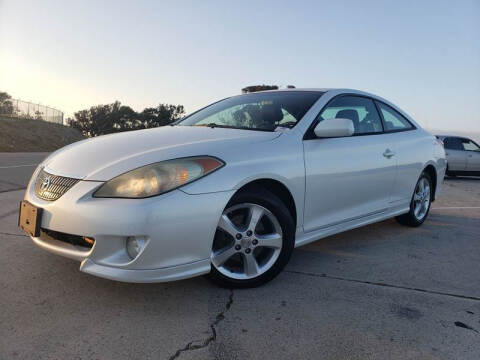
x,y
388,153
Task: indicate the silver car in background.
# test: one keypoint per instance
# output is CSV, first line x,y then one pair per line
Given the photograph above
x,y
463,155
231,189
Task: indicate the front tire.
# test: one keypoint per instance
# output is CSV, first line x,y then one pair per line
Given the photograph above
x,y
254,240
420,204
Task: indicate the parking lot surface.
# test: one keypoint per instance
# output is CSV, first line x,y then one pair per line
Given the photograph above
x,y
383,291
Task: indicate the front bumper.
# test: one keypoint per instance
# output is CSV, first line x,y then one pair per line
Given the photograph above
x,y
179,229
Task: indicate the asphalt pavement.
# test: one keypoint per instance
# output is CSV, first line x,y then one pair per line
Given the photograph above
x,y
383,291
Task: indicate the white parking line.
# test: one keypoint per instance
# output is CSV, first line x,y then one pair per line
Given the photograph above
x,y
16,166
456,207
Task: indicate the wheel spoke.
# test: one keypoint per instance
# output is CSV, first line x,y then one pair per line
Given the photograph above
x,y
417,197
417,209
270,240
226,225
254,216
220,257
426,192
250,265
421,186
425,204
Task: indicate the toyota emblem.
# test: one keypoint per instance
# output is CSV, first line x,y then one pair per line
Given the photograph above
x,y
46,183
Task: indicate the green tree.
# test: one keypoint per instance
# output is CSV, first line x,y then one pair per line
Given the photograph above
x,y
6,105
104,119
38,115
112,118
163,114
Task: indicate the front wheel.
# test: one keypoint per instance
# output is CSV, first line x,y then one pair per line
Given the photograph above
x,y
420,204
254,240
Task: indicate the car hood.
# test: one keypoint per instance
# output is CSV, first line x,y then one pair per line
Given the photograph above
x,y
104,157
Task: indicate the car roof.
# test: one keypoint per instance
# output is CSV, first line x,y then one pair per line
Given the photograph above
x,y
325,90
443,137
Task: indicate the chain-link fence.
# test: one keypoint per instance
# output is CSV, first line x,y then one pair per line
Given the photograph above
x,y
27,110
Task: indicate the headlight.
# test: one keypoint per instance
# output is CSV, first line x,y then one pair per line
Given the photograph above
x,y
158,178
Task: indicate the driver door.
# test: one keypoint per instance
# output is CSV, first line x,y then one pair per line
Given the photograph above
x,y
348,178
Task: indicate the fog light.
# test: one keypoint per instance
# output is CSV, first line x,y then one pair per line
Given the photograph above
x,y
135,245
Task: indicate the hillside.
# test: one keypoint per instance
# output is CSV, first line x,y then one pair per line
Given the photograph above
x,y
21,135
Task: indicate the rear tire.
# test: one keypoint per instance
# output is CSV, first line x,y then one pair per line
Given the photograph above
x,y
254,240
420,203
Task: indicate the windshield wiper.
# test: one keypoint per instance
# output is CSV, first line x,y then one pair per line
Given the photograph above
x,y
214,125
288,124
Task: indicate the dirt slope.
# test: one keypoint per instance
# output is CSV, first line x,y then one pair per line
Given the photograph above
x,y
21,135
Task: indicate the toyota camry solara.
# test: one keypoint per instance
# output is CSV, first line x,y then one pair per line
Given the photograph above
x,y
231,189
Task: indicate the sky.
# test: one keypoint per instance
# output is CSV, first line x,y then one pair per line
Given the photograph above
x,y
424,56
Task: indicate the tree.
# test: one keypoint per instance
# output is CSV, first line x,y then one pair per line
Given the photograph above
x,y
6,105
104,119
38,115
162,115
112,118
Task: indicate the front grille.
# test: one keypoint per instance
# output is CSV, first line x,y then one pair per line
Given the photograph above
x,y
50,187
76,240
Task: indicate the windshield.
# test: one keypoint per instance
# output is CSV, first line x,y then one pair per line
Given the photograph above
x,y
258,111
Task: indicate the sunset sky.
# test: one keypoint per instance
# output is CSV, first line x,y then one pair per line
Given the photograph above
x,y
422,55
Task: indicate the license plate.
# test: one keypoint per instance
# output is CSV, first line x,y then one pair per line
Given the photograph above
x,y
30,218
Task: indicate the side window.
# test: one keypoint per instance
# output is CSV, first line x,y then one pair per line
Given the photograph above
x,y
452,143
469,145
360,110
393,120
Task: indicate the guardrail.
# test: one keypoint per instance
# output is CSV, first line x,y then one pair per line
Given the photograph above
x,y
16,108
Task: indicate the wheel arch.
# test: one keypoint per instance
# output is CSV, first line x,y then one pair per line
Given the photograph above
x,y
277,188
432,172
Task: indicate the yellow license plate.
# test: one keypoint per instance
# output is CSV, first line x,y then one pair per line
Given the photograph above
x,y
30,218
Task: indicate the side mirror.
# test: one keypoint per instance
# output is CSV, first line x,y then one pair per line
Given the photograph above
x,y
334,128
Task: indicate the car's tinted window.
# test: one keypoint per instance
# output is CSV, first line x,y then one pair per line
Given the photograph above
x,y
469,145
453,143
257,111
360,110
393,120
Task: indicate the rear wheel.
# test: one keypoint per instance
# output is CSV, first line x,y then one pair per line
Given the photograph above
x,y
253,242
420,204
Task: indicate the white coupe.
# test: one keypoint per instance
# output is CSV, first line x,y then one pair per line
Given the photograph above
x,y
231,189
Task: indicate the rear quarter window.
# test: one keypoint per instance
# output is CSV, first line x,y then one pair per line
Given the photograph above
x,y
392,119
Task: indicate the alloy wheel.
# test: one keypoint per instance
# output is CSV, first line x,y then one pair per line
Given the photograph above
x,y
421,198
247,242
